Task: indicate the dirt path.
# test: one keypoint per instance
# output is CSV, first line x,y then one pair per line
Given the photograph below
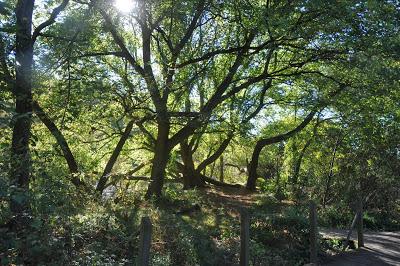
x,y
381,248
231,197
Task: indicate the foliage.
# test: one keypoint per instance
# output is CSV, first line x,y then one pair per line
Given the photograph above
x,y
124,92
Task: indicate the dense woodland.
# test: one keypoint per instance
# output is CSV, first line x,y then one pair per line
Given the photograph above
x,y
184,111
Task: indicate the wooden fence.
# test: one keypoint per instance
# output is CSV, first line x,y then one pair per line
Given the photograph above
x,y
146,231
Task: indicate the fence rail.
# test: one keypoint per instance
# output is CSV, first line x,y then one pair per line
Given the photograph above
x,y
143,258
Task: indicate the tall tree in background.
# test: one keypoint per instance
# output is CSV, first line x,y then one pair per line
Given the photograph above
x,y
20,170
20,156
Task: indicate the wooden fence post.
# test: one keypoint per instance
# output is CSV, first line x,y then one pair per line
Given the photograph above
x,y
244,237
360,225
145,242
353,224
313,233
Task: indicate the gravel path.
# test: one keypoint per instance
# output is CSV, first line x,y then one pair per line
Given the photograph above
x,y
381,248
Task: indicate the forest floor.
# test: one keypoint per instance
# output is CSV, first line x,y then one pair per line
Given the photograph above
x,y
232,198
381,248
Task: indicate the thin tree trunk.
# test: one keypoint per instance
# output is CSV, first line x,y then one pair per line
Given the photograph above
x,y
353,224
295,179
329,179
221,168
278,167
252,178
360,225
299,160
212,169
61,141
113,158
212,158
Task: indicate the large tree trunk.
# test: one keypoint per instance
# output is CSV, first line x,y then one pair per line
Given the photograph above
x,y
160,160
20,157
191,177
252,178
20,161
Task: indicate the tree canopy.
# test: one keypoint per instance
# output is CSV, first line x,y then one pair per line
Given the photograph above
x,y
105,102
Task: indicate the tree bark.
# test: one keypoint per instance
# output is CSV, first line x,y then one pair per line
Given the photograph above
x,y
101,185
299,160
360,225
20,157
21,160
190,171
191,177
61,141
221,168
330,175
211,170
160,160
211,159
252,178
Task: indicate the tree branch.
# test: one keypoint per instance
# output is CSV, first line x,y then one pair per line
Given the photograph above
x,y
216,154
119,41
61,141
56,11
114,156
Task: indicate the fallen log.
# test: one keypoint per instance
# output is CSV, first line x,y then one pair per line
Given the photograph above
x,y
189,210
219,183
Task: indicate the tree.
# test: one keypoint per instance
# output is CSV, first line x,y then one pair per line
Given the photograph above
x,y
176,43
20,171
251,181
20,157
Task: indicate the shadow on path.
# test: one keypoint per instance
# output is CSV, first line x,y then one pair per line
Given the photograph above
x,y
381,248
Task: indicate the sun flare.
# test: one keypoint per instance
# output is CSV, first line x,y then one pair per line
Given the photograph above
x,y
124,6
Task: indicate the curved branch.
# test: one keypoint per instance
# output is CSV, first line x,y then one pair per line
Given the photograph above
x,y
114,156
215,155
219,183
61,141
56,11
252,178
